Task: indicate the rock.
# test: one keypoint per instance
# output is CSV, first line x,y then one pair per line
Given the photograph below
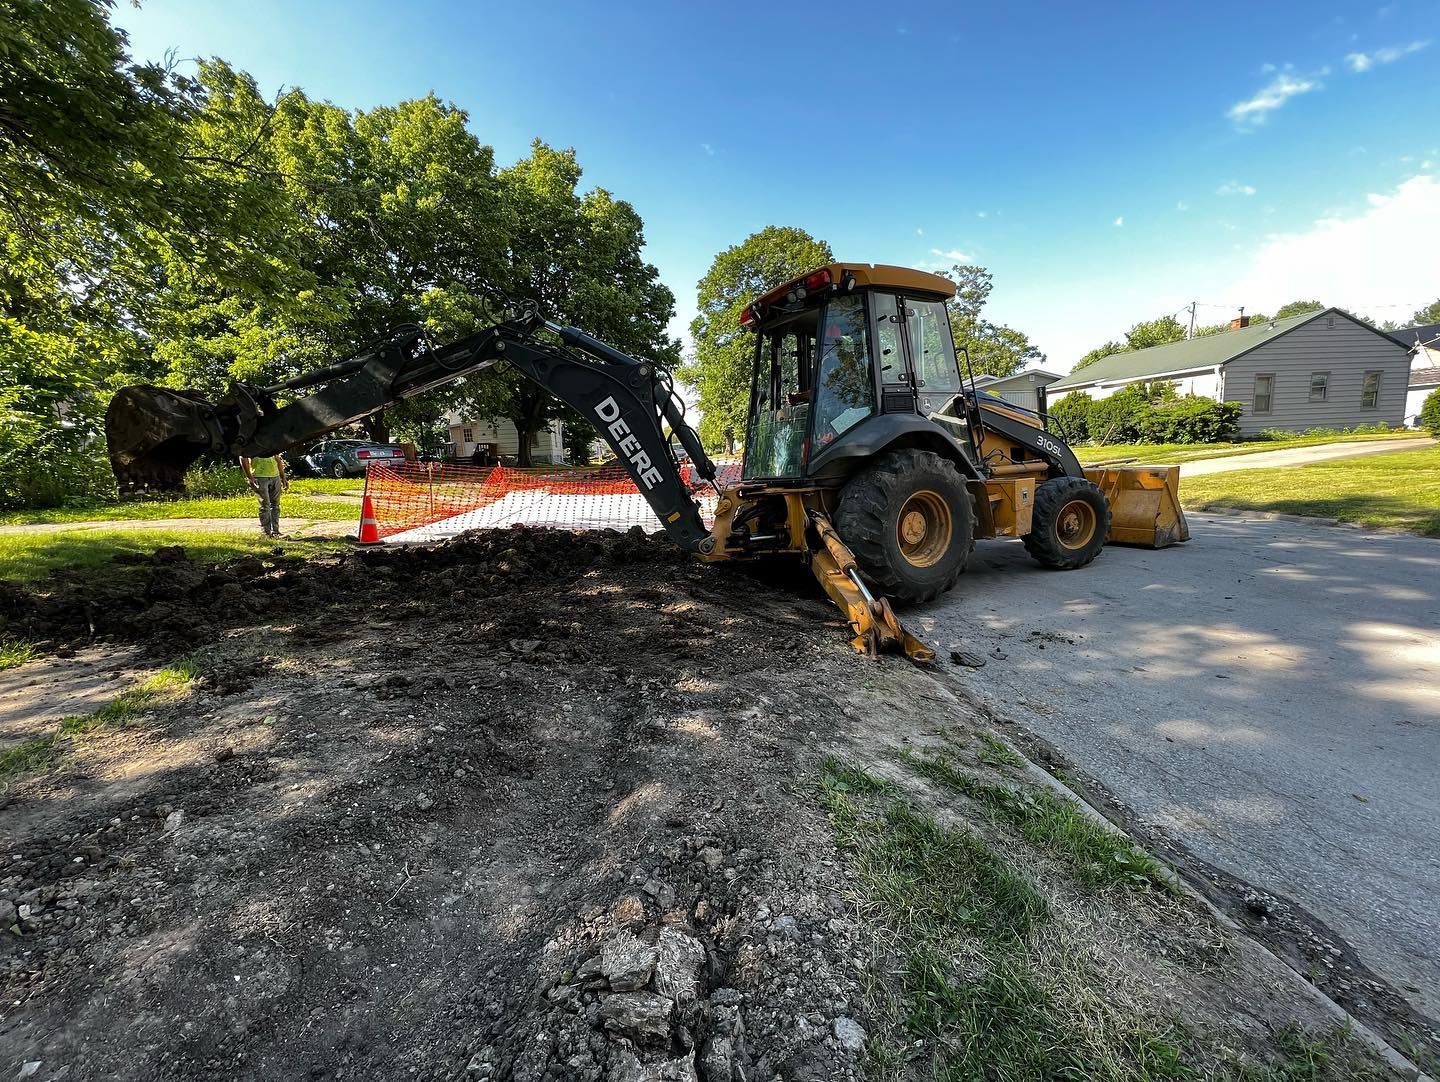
x,y
626,962
720,1059
786,928
8,914
712,857
965,657
679,963
640,1016
423,802
630,1069
850,1033
173,821
224,753
28,1068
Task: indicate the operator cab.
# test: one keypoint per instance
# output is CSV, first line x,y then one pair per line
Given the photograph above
x,y
836,347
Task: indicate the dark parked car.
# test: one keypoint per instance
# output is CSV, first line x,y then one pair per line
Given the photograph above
x,y
349,458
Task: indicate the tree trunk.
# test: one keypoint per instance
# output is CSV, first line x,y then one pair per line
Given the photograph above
x,y
375,428
528,418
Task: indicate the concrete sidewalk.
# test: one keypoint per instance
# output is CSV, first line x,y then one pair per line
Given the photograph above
x,y
1300,456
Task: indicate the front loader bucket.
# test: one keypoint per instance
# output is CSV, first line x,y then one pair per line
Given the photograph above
x,y
1144,504
155,434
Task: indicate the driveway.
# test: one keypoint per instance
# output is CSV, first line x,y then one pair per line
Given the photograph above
x,y
1268,695
1301,456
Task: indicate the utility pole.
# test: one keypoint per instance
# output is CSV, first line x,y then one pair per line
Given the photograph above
x,y
1191,332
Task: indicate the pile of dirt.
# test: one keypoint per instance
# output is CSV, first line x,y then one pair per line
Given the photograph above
x,y
511,807
168,601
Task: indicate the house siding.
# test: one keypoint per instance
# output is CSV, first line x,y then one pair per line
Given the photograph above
x,y
1331,343
549,445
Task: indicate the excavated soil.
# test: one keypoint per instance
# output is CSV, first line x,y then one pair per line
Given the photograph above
x,y
526,805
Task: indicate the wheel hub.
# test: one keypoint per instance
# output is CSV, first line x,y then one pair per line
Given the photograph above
x,y
1076,524
924,528
913,528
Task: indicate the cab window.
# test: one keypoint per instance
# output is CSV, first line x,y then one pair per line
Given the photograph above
x,y
844,391
780,416
932,350
889,354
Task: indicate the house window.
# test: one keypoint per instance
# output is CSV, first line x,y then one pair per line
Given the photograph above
x,y
1264,392
467,435
1319,386
1371,393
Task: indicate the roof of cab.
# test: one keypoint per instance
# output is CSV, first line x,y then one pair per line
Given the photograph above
x,y
882,275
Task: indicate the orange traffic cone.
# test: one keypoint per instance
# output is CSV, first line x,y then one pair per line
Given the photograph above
x,y
369,528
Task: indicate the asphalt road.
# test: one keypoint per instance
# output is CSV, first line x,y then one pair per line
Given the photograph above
x,y
1268,694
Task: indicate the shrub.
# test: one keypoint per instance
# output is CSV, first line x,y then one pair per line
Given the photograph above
x,y
1117,419
203,481
1192,419
1071,417
55,474
1430,413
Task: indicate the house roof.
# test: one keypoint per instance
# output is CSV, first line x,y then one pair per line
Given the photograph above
x,y
1207,351
1425,376
1425,334
1025,375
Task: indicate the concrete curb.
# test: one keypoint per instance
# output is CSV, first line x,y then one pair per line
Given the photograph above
x,y
1039,774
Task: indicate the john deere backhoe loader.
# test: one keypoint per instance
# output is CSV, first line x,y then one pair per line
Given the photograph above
x,y
866,455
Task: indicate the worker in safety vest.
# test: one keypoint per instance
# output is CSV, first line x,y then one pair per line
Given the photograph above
x,y
266,478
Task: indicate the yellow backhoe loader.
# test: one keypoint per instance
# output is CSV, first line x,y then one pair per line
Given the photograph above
x,y
867,456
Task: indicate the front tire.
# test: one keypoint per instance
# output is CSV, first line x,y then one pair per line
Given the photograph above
x,y
1069,524
910,522
338,471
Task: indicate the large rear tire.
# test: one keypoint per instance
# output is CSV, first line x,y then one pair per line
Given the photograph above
x,y
1069,523
909,520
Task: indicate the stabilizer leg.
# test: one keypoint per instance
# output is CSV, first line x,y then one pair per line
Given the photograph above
x,y
876,628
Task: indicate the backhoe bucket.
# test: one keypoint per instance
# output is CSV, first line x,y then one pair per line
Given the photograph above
x,y
155,434
1144,504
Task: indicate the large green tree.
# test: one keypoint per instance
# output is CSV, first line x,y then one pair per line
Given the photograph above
x,y
994,349
720,370
579,256
1294,308
1429,314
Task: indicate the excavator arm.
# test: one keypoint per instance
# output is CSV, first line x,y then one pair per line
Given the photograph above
x,y
156,433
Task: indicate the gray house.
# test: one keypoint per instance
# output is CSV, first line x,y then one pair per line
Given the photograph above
x,y
1323,369
1018,388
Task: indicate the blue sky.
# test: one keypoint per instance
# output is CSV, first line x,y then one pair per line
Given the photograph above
x,y
1107,164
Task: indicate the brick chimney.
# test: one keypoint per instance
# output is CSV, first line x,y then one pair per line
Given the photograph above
x,y
1239,323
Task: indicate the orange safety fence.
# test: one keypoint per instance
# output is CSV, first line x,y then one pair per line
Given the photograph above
x,y
423,501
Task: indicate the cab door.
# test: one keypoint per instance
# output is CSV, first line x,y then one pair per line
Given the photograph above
x,y
892,362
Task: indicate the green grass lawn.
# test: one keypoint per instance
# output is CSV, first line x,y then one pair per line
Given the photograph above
x,y
1169,454
32,556
297,503
1400,489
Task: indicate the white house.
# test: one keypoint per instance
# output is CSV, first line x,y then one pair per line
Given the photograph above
x,y
1322,369
466,436
1424,343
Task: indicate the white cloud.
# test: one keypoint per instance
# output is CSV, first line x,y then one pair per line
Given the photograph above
x,y
982,214
1367,261
1255,110
955,255
1120,220
708,149
919,232
1365,61
1182,205
1234,187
